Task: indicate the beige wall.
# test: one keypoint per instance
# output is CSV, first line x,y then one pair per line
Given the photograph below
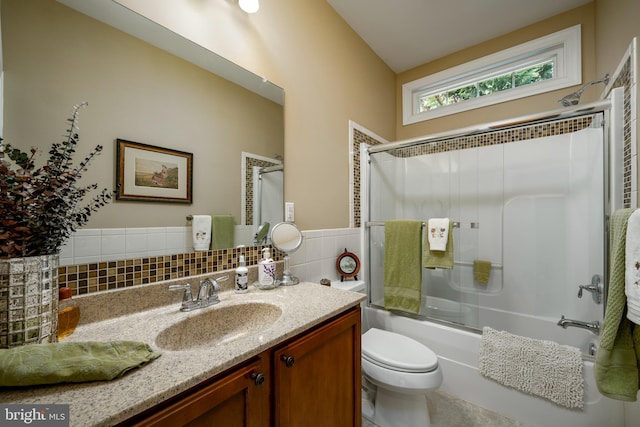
x,y
617,24
55,57
329,75
548,101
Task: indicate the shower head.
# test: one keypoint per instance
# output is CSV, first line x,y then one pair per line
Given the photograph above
x,y
574,98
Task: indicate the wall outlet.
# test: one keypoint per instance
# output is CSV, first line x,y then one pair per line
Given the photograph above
x,y
289,211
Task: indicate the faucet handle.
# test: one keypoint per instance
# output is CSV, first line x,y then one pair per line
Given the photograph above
x,y
209,289
216,284
595,288
187,291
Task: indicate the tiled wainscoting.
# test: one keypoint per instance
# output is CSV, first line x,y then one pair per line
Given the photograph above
x,y
113,244
316,258
97,260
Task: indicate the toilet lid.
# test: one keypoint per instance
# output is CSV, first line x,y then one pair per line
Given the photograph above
x,y
397,352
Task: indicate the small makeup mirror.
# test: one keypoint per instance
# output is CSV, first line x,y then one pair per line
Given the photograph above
x,y
286,237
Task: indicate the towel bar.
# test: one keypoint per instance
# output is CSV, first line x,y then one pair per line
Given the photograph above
x,y
455,224
470,264
189,217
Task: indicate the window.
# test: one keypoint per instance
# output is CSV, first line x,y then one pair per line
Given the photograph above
x,y
545,64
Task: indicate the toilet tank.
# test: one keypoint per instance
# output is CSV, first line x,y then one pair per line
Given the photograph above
x,y
350,285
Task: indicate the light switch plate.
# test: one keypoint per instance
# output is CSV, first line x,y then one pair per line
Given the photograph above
x,y
289,211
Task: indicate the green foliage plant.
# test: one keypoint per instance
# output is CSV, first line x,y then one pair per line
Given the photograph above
x,y
41,207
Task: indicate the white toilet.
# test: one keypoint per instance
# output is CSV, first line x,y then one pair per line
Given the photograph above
x,y
403,371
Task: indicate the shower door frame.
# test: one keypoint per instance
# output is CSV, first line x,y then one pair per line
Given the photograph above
x,y
610,109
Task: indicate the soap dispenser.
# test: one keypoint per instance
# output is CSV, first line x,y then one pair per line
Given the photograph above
x,y
266,268
242,278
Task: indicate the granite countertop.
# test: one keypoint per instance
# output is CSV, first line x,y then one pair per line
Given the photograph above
x,y
107,403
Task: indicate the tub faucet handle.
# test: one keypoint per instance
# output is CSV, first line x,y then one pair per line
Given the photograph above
x,y
595,288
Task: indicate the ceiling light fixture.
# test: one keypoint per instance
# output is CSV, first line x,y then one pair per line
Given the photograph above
x,y
249,6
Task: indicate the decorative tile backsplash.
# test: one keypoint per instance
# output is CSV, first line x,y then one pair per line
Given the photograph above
x,y
314,260
106,275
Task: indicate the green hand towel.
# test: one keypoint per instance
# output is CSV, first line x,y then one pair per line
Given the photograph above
x,y
222,231
438,259
402,270
71,362
616,367
481,271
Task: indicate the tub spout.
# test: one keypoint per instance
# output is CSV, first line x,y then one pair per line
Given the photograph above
x,y
592,326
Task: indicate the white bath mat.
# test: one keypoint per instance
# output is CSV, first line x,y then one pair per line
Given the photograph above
x,y
542,368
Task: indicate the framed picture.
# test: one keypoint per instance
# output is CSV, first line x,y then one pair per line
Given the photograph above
x,y
152,174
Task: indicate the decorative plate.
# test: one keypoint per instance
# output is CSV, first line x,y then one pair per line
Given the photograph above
x,y
348,265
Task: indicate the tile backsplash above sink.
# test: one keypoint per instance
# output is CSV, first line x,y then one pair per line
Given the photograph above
x,y
314,260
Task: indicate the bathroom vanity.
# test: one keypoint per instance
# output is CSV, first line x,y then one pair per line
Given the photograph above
x,y
299,363
281,384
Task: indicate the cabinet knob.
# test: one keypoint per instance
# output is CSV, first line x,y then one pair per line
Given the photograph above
x,y
257,378
288,361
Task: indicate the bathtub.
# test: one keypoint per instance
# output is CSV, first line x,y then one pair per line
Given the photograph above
x,y
457,350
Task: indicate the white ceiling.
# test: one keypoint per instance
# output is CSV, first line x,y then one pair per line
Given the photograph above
x,y
408,33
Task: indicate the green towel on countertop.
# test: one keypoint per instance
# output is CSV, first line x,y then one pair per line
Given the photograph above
x,y
222,231
617,363
71,362
438,259
402,269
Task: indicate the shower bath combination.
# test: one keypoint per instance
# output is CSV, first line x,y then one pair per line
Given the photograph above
x,y
574,98
539,188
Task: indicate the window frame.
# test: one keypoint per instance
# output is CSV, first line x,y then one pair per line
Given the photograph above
x,y
564,46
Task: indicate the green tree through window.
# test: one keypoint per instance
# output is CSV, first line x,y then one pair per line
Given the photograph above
x,y
487,86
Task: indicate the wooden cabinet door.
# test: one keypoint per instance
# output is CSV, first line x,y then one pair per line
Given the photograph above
x,y
317,377
238,399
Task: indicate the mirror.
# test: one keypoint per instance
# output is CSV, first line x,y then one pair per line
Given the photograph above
x,y
287,238
143,84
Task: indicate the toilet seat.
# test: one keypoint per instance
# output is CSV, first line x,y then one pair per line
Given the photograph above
x,y
397,352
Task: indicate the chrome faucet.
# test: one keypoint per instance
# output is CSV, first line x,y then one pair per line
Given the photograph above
x,y
592,326
207,294
595,288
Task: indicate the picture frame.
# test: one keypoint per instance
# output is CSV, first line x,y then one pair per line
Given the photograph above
x,y
147,173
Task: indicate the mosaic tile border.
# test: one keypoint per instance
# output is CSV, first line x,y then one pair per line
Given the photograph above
x,y
496,137
359,138
623,79
102,276
250,162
